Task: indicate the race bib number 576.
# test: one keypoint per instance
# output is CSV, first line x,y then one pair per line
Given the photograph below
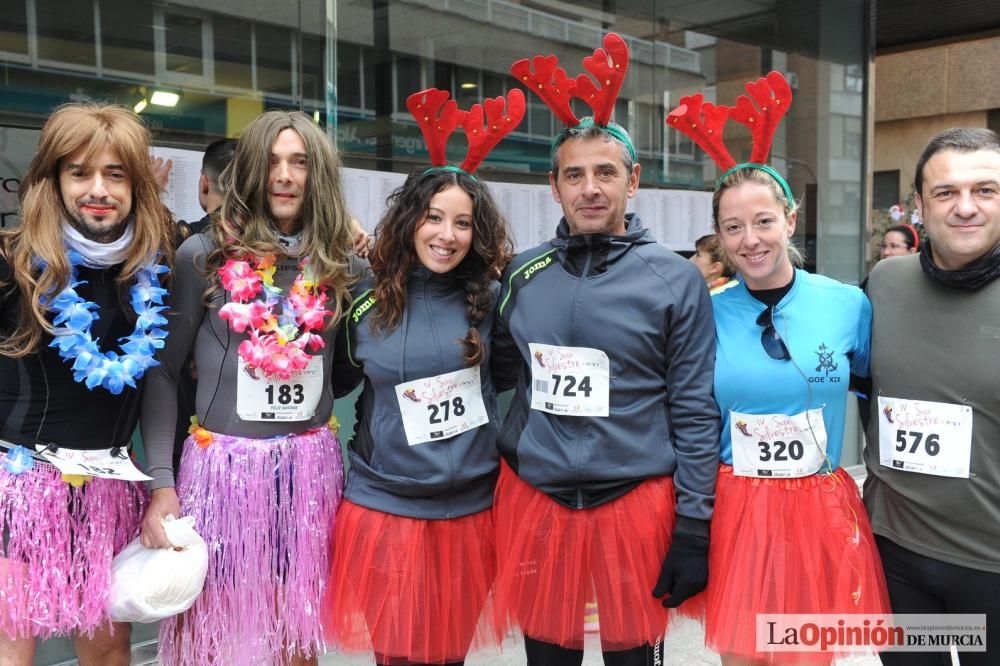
x,y
925,437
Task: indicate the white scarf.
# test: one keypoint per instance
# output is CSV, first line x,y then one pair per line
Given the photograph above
x,y
99,255
291,242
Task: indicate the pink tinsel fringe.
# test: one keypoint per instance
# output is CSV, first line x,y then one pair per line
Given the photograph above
x,y
266,510
58,543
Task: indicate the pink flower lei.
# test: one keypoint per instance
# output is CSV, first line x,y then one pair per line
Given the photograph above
x,y
277,343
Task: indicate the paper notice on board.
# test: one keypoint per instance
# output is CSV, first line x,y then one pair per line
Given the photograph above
x,y
676,218
180,195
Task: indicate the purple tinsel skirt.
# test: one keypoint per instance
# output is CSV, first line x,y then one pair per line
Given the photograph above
x,y
56,550
266,509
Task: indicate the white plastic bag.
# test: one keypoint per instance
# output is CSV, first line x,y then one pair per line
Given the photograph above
x,y
150,584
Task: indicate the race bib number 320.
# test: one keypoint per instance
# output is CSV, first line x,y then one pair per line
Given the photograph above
x,y
925,437
569,381
295,399
778,445
436,408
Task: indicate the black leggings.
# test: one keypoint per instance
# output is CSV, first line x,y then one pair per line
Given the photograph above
x,y
919,584
549,654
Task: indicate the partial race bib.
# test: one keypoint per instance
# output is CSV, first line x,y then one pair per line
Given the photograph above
x,y
569,381
443,406
925,437
776,445
100,463
258,399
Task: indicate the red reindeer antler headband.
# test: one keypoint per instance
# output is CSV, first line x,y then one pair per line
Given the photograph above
x,y
704,123
438,117
608,66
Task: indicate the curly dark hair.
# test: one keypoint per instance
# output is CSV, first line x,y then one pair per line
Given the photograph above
x,y
394,255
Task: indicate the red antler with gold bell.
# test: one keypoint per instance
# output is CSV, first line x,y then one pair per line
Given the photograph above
x,y
704,124
608,65
437,117
484,138
544,76
772,96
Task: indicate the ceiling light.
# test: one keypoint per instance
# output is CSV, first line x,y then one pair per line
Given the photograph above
x,y
164,98
140,105
468,86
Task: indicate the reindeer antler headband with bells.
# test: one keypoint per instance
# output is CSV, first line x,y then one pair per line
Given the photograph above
x,y
438,117
608,65
704,123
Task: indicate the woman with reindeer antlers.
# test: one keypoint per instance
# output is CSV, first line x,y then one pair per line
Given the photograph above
x,y
414,554
790,534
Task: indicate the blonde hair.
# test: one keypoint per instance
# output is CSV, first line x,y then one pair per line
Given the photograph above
x,y
245,227
758,177
92,127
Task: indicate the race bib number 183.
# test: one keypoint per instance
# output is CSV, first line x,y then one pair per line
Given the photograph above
x,y
296,399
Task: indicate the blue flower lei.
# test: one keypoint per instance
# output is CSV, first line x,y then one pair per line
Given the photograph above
x,y
75,316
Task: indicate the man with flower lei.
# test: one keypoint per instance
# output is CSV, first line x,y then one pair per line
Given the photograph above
x,y
257,300
80,323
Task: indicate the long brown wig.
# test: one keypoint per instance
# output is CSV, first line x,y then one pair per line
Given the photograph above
x,y
73,127
245,225
394,255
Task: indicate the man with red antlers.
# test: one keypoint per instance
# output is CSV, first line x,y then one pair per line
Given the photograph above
x,y
611,442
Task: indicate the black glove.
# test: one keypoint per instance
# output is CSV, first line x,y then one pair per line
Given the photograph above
x,y
685,568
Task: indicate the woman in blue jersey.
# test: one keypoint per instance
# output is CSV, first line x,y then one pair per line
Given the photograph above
x,y
789,534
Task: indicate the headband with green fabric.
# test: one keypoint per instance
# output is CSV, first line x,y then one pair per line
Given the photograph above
x,y
608,65
704,123
437,116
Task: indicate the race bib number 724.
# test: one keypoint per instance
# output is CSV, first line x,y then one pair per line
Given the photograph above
x,y
569,381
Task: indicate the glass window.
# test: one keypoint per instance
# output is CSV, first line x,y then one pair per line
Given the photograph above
x,y
407,80
443,79
66,31
494,85
183,43
313,70
127,38
469,90
349,75
232,50
14,30
274,59
885,189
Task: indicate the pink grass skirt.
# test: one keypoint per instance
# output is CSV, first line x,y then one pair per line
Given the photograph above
x,y
411,590
555,560
266,509
58,543
786,546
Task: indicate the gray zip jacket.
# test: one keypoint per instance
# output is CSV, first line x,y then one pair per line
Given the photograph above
x,y
649,310
446,478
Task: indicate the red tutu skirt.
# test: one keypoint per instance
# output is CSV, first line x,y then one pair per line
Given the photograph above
x,y
555,560
786,546
409,589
